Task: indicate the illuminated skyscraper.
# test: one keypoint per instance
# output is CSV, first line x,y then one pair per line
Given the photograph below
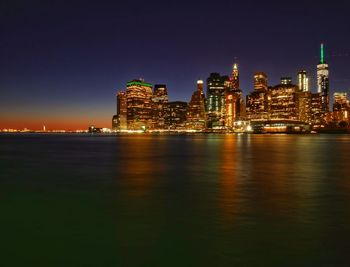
x,y
323,81
176,115
341,101
303,81
235,77
341,107
286,80
304,98
115,123
257,106
317,113
235,109
260,81
234,103
159,101
139,105
216,99
284,105
200,87
119,121
304,106
196,117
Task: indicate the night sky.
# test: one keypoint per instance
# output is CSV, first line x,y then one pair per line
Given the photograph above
x,y
61,63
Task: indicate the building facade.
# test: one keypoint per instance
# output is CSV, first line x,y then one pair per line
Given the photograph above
x,y
257,102
196,115
176,115
139,105
284,104
323,81
341,107
216,100
304,106
159,102
303,81
234,106
317,111
119,121
286,81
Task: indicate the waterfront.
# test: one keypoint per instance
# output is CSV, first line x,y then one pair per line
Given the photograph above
x,y
189,200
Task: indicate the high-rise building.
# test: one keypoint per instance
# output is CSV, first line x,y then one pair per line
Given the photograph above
x,y
196,115
216,100
235,77
317,112
304,106
341,101
234,103
341,107
115,123
176,115
286,80
323,81
200,86
260,81
119,121
284,104
159,101
257,105
303,81
139,105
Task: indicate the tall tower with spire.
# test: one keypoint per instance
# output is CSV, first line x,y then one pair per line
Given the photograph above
x,y
323,80
235,77
234,103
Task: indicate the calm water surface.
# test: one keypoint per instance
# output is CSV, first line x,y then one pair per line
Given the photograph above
x,y
220,200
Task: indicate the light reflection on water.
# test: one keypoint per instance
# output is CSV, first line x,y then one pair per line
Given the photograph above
x,y
201,200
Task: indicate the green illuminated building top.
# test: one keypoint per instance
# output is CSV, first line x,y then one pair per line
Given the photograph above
x,y
138,83
322,53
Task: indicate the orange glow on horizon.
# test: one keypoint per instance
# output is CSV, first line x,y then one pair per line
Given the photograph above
x,y
53,123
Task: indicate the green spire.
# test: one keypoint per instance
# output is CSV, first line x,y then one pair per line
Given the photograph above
x,y
322,54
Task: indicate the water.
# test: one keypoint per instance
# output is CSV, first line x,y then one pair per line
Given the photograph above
x,y
201,200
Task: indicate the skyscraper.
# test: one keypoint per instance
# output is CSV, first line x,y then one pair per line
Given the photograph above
x,y
235,77
159,101
175,115
304,98
323,81
196,117
341,106
284,105
317,113
139,104
260,81
119,121
286,80
216,99
234,103
303,81
200,87
304,106
257,106
341,101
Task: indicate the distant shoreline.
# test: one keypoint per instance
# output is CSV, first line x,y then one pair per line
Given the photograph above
x,y
333,131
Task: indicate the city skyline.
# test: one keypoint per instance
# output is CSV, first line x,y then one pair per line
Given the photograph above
x,y
62,63
286,107
234,78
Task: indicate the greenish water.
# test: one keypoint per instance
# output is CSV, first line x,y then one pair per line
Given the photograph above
x,y
201,200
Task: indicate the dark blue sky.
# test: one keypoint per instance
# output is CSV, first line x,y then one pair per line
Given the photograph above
x,y
62,62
